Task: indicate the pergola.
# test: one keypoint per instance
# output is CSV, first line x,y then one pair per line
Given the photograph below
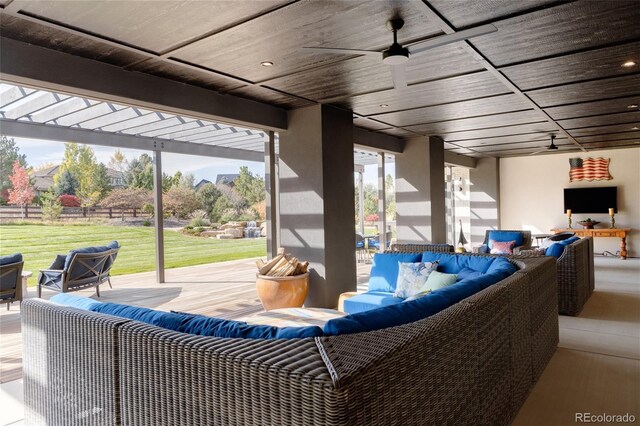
x,y
54,115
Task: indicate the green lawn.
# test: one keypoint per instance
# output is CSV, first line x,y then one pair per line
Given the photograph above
x,y
39,245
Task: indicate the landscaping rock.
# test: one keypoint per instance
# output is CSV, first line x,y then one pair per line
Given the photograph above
x,y
225,237
211,233
235,233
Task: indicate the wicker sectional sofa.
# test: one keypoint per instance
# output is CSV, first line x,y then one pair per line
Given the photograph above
x,y
576,275
470,364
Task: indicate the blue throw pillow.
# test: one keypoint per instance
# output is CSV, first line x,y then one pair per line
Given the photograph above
x,y
75,301
504,236
11,258
556,249
384,270
468,273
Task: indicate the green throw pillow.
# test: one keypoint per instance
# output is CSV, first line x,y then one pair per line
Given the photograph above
x,y
438,280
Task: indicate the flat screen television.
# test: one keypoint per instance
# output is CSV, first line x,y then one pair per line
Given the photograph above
x,y
591,200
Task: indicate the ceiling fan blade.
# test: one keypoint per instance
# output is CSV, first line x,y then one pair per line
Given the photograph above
x,y
423,46
399,75
343,51
539,152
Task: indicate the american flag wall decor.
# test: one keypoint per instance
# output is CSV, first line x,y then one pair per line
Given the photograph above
x,y
589,169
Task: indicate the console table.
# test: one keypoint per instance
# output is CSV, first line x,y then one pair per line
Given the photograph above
x,y
603,232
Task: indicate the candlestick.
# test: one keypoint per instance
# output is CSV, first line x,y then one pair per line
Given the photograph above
x,y
569,220
613,220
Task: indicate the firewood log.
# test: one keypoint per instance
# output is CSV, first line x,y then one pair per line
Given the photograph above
x,y
270,264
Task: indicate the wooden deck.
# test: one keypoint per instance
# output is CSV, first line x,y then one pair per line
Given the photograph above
x,y
225,289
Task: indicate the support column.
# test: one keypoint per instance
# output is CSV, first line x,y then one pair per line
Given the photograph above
x,y
272,195
484,198
317,199
158,215
420,191
360,170
382,202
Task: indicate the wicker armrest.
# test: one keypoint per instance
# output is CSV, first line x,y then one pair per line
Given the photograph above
x,y
530,252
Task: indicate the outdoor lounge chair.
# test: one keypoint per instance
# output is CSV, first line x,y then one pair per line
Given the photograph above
x,y
11,278
82,268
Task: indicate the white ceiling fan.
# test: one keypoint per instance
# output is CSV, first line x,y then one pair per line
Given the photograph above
x,y
396,55
551,147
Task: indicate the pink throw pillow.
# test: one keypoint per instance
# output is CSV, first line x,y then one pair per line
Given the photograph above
x,y
502,247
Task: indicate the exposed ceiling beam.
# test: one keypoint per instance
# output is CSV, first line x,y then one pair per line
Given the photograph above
x,y
29,130
484,61
459,160
379,141
26,64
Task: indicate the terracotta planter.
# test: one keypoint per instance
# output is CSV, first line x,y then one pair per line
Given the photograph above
x,y
282,292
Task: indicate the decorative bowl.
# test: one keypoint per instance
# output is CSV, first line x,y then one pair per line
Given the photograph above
x,y
588,224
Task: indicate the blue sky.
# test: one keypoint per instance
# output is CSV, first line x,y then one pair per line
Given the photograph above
x,y
39,152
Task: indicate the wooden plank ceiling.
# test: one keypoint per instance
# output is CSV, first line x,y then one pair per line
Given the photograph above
x,y
564,58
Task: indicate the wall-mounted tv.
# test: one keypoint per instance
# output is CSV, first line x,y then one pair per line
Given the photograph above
x,y
591,200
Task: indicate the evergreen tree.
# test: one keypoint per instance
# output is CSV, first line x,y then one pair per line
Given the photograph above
x,y
208,194
140,172
251,187
67,184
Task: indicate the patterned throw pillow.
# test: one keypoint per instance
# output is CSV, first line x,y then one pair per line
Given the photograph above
x,y
502,247
412,276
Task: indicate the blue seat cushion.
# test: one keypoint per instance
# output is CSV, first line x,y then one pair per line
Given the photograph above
x,y
11,258
369,300
466,272
556,249
384,270
451,263
203,325
79,302
94,249
504,236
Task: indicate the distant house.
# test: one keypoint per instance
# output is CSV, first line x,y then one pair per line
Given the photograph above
x,y
43,179
228,179
201,184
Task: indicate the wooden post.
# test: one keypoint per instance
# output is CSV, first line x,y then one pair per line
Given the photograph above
x,y
26,211
110,213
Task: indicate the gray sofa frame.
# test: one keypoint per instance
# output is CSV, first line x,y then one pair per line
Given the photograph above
x,y
576,275
471,364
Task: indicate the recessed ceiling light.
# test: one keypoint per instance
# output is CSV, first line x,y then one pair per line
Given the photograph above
x,y
266,63
632,106
629,64
634,128
384,106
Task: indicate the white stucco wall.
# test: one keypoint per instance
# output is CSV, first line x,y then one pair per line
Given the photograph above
x,y
531,194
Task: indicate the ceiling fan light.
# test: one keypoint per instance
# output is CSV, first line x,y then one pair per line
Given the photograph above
x,y
395,59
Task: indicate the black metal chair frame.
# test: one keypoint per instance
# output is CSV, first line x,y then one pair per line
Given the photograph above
x,y
5,272
97,267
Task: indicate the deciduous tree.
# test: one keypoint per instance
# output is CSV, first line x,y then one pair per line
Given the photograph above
x,y
181,201
21,193
9,153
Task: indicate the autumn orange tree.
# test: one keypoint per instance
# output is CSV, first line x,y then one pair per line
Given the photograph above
x,y
21,192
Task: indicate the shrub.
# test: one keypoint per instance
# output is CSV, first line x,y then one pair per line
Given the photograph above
x,y
51,207
148,209
146,223
68,200
181,201
198,221
199,214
